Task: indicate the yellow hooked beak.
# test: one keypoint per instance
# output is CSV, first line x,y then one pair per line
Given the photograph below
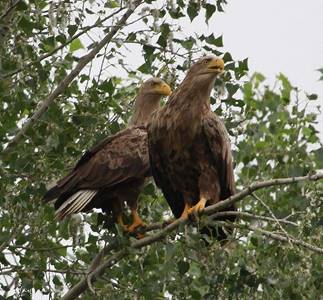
x,y
216,65
163,89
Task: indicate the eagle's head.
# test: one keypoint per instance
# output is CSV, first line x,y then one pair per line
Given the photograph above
x,y
206,68
155,86
147,100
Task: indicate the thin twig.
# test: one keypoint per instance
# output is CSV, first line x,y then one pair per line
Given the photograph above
x,y
271,213
274,236
248,215
69,41
14,233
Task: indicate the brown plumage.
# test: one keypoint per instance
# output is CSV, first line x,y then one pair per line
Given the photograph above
x,y
114,171
189,146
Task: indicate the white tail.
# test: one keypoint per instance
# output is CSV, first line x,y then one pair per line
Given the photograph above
x,y
75,203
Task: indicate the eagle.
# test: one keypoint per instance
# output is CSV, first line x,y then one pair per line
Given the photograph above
x,y
115,170
189,146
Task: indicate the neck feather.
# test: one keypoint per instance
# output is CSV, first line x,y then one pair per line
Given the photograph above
x,y
194,93
145,105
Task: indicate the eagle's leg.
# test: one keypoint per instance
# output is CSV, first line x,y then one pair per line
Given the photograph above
x,y
198,207
136,221
120,222
185,212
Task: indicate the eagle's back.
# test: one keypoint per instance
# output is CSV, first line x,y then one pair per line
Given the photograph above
x,y
112,172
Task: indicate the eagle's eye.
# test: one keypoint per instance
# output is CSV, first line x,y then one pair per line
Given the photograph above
x,y
207,60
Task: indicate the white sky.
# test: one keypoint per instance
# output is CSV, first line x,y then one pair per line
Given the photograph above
x,y
277,36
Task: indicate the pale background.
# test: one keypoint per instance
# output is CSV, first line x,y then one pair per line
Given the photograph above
x,y
278,36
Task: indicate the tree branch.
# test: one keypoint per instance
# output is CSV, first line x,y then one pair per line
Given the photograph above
x,y
84,60
273,236
70,40
248,215
79,288
210,210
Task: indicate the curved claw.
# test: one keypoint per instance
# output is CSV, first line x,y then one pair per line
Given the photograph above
x,y
185,212
136,221
198,207
136,224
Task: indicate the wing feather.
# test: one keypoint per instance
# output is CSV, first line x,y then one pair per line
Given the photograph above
x,y
162,175
116,159
218,141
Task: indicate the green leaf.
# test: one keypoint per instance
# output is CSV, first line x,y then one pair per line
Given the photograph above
x,y
227,57
162,41
312,97
232,88
26,25
321,71
210,9
318,157
61,38
76,45
144,68
188,44
107,86
112,4
193,10
234,102
71,29
286,87
214,41
21,6
183,267
148,50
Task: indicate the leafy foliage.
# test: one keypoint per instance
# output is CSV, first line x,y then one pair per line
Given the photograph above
x,y
41,43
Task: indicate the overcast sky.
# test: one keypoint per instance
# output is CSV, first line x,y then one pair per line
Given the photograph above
x,y
277,36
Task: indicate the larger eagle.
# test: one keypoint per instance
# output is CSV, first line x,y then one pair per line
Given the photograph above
x,y
189,146
114,171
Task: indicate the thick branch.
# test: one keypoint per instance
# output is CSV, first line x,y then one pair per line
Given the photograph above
x,y
210,210
71,76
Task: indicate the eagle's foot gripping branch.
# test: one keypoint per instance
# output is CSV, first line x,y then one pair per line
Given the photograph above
x,y
198,207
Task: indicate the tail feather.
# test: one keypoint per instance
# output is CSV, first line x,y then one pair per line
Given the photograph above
x,y
52,194
76,203
63,187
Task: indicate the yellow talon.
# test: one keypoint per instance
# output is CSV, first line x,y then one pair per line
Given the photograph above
x,y
198,207
185,213
136,221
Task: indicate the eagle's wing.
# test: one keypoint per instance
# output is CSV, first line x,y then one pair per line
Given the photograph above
x,y
218,141
116,159
162,175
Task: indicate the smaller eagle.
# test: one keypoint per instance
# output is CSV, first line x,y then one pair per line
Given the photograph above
x,y
189,146
114,171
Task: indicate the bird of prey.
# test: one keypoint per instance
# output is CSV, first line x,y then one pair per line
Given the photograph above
x,y
114,171
189,147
